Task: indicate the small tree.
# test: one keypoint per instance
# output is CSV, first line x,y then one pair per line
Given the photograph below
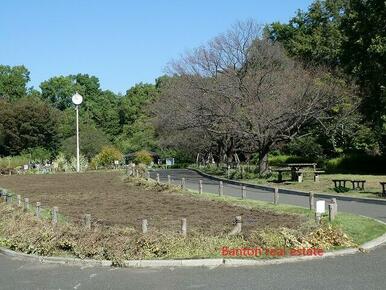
x,y
143,157
107,156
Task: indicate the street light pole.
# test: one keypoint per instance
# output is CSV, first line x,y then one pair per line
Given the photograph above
x,y
77,139
77,100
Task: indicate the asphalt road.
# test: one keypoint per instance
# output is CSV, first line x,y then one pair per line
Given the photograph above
x,y
359,271
363,271
192,178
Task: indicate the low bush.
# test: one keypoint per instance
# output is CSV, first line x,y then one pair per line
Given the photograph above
x,y
21,231
12,162
107,157
143,157
361,164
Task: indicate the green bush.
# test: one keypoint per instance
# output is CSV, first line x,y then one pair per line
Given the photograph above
x,y
361,164
143,157
106,157
37,154
305,147
13,162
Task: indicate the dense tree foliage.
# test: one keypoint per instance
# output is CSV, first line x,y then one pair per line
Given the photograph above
x,y
28,123
347,36
92,141
314,36
13,82
364,56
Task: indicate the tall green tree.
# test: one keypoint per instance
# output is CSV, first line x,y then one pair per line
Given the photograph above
x,y
28,123
99,106
138,131
58,91
13,82
315,35
135,102
364,56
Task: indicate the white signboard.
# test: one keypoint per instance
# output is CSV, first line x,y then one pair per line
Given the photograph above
x,y
169,161
320,206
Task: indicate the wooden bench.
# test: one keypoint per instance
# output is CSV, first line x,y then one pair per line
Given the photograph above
x,y
338,182
358,184
383,184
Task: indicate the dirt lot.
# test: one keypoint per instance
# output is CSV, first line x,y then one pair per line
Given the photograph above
x,y
111,201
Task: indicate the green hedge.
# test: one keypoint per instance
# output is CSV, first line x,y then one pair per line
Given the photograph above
x,y
361,164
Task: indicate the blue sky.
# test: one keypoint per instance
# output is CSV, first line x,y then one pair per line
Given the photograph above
x,y
120,42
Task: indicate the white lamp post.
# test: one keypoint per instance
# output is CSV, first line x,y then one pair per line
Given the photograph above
x,y
77,100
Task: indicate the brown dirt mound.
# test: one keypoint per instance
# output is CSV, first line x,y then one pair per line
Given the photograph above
x,y
111,201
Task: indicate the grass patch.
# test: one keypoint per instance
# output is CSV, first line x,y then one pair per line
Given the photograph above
x,y
325,185
361,229
372,185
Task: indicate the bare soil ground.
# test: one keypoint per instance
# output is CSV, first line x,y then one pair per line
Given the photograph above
x,y
111,201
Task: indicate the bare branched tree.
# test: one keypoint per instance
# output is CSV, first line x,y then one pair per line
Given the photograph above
x,y
241,89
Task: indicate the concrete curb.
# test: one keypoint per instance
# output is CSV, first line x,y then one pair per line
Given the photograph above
x,y
292,191
192,262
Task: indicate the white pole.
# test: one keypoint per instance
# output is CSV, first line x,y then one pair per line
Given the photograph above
x,y
77,139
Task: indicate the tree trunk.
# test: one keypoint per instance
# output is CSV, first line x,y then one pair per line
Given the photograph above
x,y
263,161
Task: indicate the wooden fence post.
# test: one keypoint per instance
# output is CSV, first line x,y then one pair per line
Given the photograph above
x,y
243,192
331,212
311,201
276,196
9,198
200,186
4,195
37,210
26,204
158,178
54,215
183,226
221,189
144,226
183,183
169,180
87,221
333,200
237,227
318,216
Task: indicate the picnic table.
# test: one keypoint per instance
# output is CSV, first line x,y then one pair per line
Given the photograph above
x,y
280,172
297,171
